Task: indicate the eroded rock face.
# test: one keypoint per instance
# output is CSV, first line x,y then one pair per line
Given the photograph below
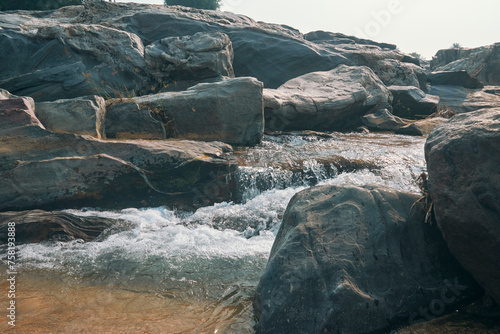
x,y
464,182
117,48
325,101
40,169
357,260
84,115
482,63
54,60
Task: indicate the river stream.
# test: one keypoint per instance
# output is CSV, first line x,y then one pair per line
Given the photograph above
x,y
167,271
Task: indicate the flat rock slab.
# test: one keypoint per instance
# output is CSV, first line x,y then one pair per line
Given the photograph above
x,y
463,158
40,169
462,100
357,260
230,111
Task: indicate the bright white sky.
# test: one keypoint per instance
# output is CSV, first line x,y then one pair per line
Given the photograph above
x,y
422,26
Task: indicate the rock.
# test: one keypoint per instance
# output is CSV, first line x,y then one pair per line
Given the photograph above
x,y
412,103
396,73
40,169
383,120
50,60
271,53
461,100
325,101
230,111
129,121
321,36
464,183
390,65
481,63
421,127
357,260
37,226
82,115
105,53
454,78
456,323
200,56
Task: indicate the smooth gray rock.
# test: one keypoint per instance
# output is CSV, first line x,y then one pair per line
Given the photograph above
x,y
463,157
462,100
357,260
383,120
40,169
412,103
230,111
454,78
421,127
50,60
196,57
38,51
482,63
82,115
391,66
129,121
325,101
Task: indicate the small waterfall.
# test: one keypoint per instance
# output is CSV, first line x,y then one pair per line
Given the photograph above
x,y
202,267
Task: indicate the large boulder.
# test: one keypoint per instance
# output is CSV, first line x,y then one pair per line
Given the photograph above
x,y
325,101
463,157
50,60
40,169
482,63
461,100
357,260
84,115
230,111
412,103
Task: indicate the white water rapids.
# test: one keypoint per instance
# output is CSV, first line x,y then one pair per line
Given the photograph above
x,y
185,272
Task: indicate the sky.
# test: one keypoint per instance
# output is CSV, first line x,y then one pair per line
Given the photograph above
x,y
422,26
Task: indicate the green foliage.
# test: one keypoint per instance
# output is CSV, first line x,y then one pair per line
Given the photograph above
x,y
36,4
456,46
417,55
201,4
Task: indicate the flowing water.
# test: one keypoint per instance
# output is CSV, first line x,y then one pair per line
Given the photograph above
x,y
167,271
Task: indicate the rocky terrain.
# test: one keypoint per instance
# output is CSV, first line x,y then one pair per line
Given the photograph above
x,y
131,105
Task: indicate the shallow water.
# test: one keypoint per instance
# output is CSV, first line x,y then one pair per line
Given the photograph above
x,y
167,271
